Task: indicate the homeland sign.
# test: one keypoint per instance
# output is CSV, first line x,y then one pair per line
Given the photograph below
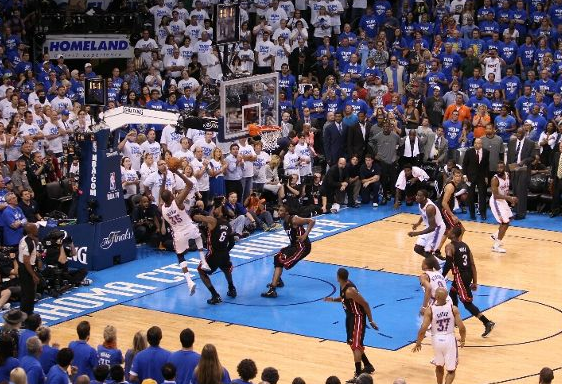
x,y
88,46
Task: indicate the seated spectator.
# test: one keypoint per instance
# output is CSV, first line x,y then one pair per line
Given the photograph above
x,y
49,353
256,207
100,374
336,186
139,344
58,374
369,174
209,370
241,220
13,221
148,363
146,222
290,192
270,375
410,180
247,370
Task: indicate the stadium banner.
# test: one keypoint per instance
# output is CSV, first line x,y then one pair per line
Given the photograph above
x,y
115,46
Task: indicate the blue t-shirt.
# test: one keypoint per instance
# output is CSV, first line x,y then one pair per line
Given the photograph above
x,y
524,105
539,124
56,375
109,356
553,111
7,367
503,124
85,358
33,369
185,362
452,133
527,54
10,215
511,86
48,357
148,363
25,334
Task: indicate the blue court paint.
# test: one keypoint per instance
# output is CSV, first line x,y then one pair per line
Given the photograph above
x,y
395,300
154,281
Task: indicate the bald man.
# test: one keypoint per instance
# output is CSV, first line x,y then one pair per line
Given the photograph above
x,y
443,317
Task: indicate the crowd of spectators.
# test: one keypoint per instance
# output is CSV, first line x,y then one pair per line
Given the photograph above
x,y
28,355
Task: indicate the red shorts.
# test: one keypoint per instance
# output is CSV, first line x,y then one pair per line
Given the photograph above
x,y
448,219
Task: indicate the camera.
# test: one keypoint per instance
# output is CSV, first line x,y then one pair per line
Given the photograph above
x,y
307,180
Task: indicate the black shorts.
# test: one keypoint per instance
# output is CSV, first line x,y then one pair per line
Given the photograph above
x,y
218,260
289,256
449,220
355,330
461,285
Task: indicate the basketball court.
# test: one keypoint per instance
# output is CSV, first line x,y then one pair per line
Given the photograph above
x,y
303,336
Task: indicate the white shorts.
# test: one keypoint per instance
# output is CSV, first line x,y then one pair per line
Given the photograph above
x,y
501,210
446,351
181,239
431,241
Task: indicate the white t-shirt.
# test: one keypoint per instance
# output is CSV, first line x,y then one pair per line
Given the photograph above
x,y
129,175
153,148
154,181
54,144
303,153
281,56
181,154
264,49
150,44
188,83
273,17
159,13
133,151
203,181
194,32
177,28
206,147
195,134
259,167
493,66
247,150
31,130
200,15
171,138
145,170
60,104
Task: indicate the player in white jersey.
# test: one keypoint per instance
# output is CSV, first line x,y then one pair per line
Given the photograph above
x,y
499,204
431,279
430,215
183,227
442,316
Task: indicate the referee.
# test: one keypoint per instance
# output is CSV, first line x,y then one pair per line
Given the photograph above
x,y
27,260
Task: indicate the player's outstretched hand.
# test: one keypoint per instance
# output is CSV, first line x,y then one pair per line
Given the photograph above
x,y
411,234
461,343
328,299
374,325
474,287
417,347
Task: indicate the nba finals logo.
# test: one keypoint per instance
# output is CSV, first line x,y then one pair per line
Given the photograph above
x,y
113,191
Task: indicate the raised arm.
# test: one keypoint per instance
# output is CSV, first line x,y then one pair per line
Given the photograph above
x,y
180,198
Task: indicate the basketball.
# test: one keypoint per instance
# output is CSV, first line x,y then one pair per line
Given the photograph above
x,y
173,163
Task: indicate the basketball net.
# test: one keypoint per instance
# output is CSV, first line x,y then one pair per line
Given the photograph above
x,y
269,135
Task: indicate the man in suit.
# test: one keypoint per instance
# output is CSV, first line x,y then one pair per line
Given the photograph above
x,y
438,153
519,157
335,135
358,137
475,166
556,176
336,184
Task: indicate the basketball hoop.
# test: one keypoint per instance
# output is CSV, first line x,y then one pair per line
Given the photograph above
x,y
268,135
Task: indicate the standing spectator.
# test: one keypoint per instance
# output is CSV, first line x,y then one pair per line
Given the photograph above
x,y
146,223
209,370
335,140
435,107
453,133
85,356
476,167
139,344
264,54
186,359
384,146
108,353
233,171
396,75
19,178
556,176
147,363
246,151
494,144
38,179
358,136
519,157
31,364
49,353
13,221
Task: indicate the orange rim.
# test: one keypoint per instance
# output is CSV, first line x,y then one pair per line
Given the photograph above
x,y
255,129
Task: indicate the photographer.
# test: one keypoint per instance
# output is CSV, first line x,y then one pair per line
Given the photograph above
x,y
146,222
290,193
38,178
313,200
27,267
59,247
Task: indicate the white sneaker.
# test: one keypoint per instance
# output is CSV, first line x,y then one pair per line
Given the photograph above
x,y
496,240
191,285
498,249
375,205
204,266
